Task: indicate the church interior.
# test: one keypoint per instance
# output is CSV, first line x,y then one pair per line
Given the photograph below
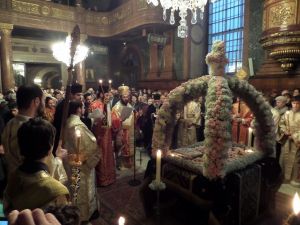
x,y
149,112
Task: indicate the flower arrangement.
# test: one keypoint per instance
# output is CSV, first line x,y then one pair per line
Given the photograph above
x,y
217,55
217,127
219,91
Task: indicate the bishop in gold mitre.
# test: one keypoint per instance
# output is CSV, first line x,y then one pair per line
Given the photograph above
x,y
123,128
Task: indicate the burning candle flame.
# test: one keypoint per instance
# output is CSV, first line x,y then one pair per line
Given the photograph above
x,y
100,81
110,81
121,220
296,204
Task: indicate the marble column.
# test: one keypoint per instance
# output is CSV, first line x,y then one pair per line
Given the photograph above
x,y
7,76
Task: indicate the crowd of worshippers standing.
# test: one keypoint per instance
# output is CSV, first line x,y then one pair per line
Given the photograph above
x,y
35,160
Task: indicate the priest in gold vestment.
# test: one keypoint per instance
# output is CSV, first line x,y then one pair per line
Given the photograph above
x,y
187,126
86,200
29,101
123,128
31,186
289,129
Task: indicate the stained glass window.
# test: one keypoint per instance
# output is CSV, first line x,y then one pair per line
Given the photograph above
x,y
226,22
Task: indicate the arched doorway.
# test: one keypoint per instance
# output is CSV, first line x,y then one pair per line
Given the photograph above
x,y
131,66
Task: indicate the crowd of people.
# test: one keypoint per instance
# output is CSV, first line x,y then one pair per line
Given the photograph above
x,y
99,136
40,157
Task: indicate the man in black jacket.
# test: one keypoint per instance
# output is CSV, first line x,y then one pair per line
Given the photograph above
x,y
151,115
76,95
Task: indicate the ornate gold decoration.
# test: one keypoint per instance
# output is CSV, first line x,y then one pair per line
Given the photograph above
x,y
104,20
282,15
63,14
45,10
25,7
99,23
241,74
282,45
95,19
142,5
121,14
287,57
6,28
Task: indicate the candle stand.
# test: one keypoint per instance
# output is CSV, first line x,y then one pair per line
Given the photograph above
x,y
75,163
158,187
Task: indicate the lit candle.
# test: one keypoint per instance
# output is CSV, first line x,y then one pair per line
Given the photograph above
x,y
100,82
158,166
294,219
249,151
250,131
288,120
109,84
121,220
78,140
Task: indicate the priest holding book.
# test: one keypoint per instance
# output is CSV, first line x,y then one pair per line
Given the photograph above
x,y
102,128
123,129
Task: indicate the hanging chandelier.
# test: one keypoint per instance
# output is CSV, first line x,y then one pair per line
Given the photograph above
x,y
62,52
183,6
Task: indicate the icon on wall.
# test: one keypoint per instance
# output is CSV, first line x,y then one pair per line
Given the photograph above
x,y
89,75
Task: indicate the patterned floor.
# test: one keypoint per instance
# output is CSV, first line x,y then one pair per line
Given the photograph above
x,y
121,199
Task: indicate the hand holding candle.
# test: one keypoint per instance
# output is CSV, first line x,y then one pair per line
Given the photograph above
x,y
288,121
78,140
158,166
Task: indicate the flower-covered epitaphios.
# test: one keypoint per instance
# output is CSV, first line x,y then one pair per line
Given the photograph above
x,y
219,90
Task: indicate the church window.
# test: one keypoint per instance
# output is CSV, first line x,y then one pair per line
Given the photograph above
x,y
226,22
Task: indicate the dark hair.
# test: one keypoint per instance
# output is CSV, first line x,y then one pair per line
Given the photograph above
x,y
12,105
27,93
48,99
87,94
56,92
66,215
74,105
35,138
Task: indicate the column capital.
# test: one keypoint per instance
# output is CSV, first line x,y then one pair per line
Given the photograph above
x,y
6,28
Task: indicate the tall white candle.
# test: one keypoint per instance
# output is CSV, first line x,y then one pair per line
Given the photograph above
x,y
78,139
250,132
288,120
158,165
121,220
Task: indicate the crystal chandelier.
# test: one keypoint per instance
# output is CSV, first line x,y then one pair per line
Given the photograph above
x,y
183,6
61,52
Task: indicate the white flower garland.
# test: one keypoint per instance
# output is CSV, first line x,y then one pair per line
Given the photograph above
x,y
192,89
217,127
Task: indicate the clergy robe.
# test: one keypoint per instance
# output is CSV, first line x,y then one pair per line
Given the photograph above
x,y
123,136
12,152
105,169
31,187
86,200
290,155
240,129
187,125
